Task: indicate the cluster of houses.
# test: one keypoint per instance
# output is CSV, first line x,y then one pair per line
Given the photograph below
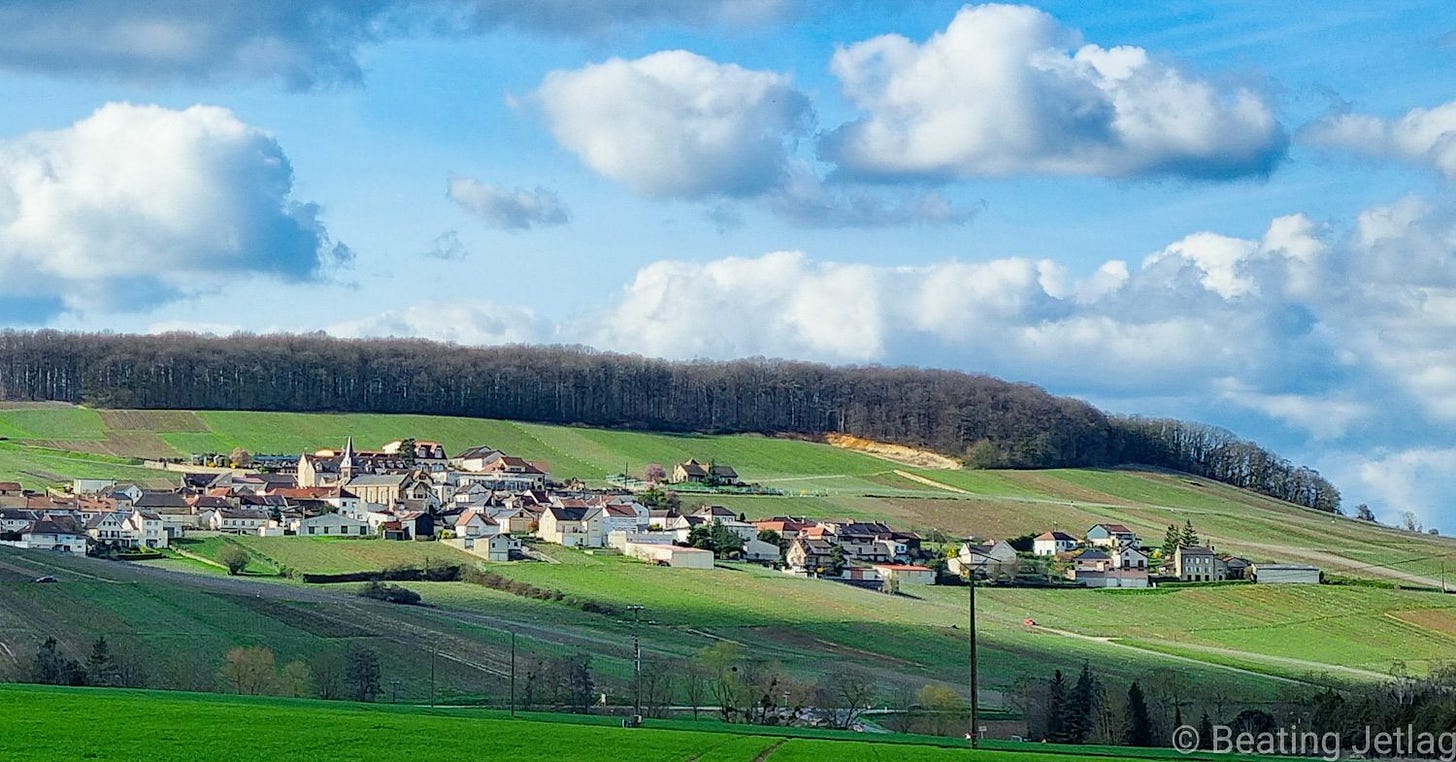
x,y
486,502
481,500
1112,555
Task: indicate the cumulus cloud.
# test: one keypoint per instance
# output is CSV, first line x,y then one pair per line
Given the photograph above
x,y
515,209
1006,90
1184,317
1422,136
677,125
135,205
469,323
301,43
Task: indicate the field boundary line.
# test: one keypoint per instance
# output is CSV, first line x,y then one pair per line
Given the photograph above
x,y
932,482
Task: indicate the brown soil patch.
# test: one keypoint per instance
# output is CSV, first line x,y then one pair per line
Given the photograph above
x,y
909,456
1436,620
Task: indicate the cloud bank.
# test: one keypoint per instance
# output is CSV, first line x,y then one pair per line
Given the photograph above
x,y
135,205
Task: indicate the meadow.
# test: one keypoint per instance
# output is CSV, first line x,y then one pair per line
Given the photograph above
x,y
60,723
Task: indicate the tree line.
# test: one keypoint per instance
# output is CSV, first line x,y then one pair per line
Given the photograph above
x,y
986,421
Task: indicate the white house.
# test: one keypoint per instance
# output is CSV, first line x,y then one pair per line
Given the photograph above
x,y
331,525
1052,543
1128,557
48,535
573,526
107,527
473,524
617,517
1111,536
237,520
905,574
145,529
986,560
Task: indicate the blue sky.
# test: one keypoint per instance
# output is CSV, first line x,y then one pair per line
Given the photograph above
x,y
1235,212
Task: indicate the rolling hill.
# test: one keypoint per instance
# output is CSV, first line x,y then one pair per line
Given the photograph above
x,y
1254,643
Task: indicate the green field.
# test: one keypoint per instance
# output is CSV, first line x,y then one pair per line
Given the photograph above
x,y
314,555
61,723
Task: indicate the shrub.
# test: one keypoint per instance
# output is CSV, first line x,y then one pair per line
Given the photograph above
x,y
391,593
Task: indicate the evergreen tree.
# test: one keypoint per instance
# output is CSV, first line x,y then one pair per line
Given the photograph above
x,y
1056,716
1082,707
53,668
101,665
1189,538
1205,732
1137,728
1170,541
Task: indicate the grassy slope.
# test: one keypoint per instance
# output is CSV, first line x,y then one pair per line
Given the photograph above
x,y
61,723
858,485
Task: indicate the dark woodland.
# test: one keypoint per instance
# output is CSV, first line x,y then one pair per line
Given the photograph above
x,y
989,422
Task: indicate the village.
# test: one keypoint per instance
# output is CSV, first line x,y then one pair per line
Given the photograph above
x,y
495,506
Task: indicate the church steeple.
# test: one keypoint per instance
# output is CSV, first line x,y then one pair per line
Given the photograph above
x,y
346,463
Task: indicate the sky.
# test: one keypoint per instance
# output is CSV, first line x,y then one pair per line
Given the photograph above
x,y
1238,212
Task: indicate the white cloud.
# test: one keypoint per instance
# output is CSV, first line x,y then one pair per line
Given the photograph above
x,y
676,125
304,44
1422,136
134,205
515,209
469,323
1419,480
1007,90
1325,418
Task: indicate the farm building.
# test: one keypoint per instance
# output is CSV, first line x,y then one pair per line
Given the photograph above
x,y
1133,578
670,555
1285,574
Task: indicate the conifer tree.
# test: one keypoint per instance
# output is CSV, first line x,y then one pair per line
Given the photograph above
x,y
1137,729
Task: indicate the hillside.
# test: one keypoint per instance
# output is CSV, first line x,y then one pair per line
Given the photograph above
x,y
821,480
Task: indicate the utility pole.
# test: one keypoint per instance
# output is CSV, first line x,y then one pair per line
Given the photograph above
x,y
433,654
636,662
967,560
975,702
513,674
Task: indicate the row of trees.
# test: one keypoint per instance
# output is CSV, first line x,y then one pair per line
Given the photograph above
x,y
989,422
353,674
